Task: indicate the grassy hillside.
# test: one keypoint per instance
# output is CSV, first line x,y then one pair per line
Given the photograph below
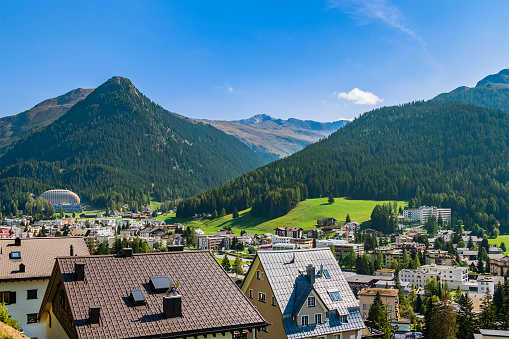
x,y
500,239
304,215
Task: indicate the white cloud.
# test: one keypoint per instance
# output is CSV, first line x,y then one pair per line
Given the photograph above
x,y
228,87
359,97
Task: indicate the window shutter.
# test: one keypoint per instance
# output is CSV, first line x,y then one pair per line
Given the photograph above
x,y
12,298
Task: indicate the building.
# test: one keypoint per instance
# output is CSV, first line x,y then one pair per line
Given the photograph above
x,y
499,266
25,269
63,199
492,334
454,276
304,294
341,247
439,257
389,298
327,222
422,213
302,243
293,232
180,294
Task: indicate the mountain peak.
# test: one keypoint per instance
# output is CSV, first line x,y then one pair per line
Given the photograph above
x,y
495,81
255,119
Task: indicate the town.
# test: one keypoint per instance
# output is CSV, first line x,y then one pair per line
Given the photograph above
x,y
81,275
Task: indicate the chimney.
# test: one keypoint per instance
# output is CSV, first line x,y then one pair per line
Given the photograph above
x,y
79,271
72,251
17,241
175,248
172,306
321,270
94,314
21,268
128,252
310,272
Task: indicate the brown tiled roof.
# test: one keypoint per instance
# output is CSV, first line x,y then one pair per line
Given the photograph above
x,y
37,254
211,302
385,292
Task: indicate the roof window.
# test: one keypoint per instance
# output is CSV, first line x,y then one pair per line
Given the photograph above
x,y
160,284
137,297
15,255
335,296
326,274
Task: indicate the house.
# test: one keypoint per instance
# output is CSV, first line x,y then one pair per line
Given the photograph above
x,y
178,294
304,294
293,232
25,270
454,276
389,296
499,266
327,222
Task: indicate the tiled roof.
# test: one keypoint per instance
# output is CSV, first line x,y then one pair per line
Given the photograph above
x,y
285,272
37,254
385,292
210,300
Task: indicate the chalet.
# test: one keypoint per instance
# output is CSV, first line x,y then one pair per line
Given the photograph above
x,y
327,222
178,294
294,232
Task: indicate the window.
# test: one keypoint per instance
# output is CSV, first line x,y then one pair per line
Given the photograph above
x,y
32,318
311,302
15,255
326,274
364,306
364,315
318,318
31,294
336,336
274,301
62,298
304,320
259,275
390,308
250,294
390,316
335,296
261,297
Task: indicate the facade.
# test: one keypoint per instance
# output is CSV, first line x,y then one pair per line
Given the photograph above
x,y
25,269
293,232
341,247
389,296
454,276
180,294
499,266
63,199
422,213
439,257
492,334
304,294
302,243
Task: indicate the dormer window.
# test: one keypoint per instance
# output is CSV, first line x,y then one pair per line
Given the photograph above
x,y
15,255
311,302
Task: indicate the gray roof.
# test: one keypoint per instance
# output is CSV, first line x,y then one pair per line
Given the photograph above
x,y
37,254
285,272
495,333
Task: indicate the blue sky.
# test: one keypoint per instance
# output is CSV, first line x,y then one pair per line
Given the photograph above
x,y
319,60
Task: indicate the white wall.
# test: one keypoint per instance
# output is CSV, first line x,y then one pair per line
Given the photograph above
x,y
23,306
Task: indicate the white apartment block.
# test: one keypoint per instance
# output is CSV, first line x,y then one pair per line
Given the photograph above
x,y
422,213
453,275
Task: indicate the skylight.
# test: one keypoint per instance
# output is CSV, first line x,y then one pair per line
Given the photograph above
x,y
160,284
137,297
15,255
326,274
335,296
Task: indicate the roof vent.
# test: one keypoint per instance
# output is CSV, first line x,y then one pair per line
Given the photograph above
x,y
17,241
175,248
79,271
160,284
94,315
137,297
21,268
310,272
128,252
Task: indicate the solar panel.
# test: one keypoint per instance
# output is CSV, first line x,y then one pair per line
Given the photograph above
x,y
160,284
137,297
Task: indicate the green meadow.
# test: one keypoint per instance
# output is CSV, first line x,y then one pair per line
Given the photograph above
x,y
500,239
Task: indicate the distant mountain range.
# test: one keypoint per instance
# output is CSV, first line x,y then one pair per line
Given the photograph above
x,y
490,92
277,138
14,127
118,146
439,153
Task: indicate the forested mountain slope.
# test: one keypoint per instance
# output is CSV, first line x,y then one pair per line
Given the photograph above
x,y
448,154
117,146
13,128
277,138
490,92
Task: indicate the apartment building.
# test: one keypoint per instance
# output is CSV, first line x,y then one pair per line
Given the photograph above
x,y
389,297
454,276
422,213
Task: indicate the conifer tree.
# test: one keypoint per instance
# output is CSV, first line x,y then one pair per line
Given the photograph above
x,y
377,310
235,213
348,219
467,321
383,324
223,212
226,263
458,294
237,266
488,316
331,198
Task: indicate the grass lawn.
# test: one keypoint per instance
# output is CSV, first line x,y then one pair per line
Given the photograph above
x,y
304,215
501,239
232,262
155,204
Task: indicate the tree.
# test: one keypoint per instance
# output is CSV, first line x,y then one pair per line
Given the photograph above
x,y
6,318
348,219
466,320
333,250
237,266
214,214
379,262
314,242
235,213
383,324
376,311
226,263
331,198
431,225
502,246
458,294
223,212
350,258
488,316
145,248
440,320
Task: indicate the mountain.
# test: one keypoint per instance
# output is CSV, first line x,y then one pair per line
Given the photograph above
x,y
490,92
116,146
13,128
446,154
276,138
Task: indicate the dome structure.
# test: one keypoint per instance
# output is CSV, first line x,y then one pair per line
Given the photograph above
x,y
61,197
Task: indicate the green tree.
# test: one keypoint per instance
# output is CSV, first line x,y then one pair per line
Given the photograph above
x,y
226,263
145,248
331,198
348,219
235,213
383,324
466,319
379,262
223,212
333,250
376,311
6,318
431,226
237,266
502,246
350,259
488,316
458,294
